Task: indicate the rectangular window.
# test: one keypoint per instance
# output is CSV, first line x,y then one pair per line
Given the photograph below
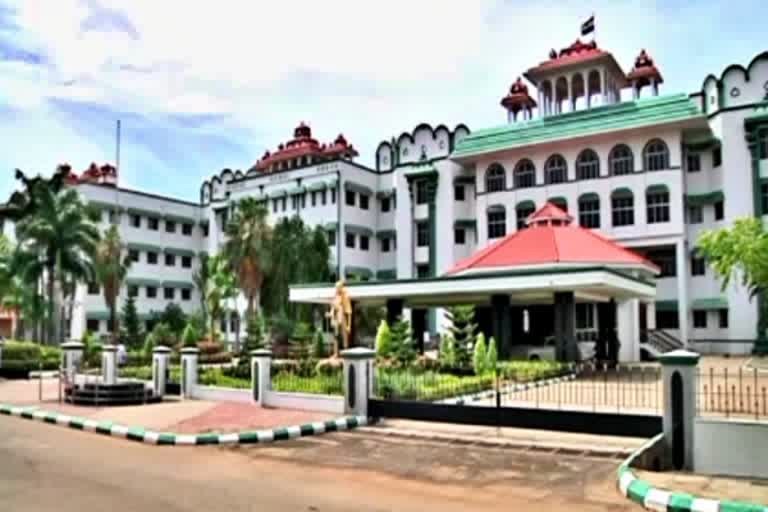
x,y
422,234
585,316
153,223
458,192
313,198
186,261
589,213
422,271
364,201
93,289
764,197
284,204
152,258
333,196
133,255
303,200
170,260
667,320
169,293
223,325
133,291
623,211
93,325
722,318
364,242
497,224
695,214
274,206
699,319
136,221
349,198
658,207
151,292
421,192
717,157
719,210
170,226
294,202
186,294
698,266
459,236
205,231
331,238
693,162
350,240
665,260
385,245
323,197
186,229
386,204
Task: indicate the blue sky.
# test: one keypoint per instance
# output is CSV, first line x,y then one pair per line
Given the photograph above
x,y
203,85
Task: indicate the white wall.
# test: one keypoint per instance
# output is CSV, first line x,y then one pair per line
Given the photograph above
x,y
730,447
279,400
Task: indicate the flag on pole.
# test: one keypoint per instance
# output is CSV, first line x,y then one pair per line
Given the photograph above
x,y
588,26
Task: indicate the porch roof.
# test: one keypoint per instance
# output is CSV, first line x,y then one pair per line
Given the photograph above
x,y
536,284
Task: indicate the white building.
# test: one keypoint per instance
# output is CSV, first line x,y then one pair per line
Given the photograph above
x,y
650,171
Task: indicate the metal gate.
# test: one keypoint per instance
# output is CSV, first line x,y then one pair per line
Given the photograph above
x,y
621,401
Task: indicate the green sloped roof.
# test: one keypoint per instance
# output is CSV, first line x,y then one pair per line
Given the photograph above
x,y
179,218
657,189
144,247
142,281
710,303
97,315
525,203
708,198
386,275
178,284
179,252
666,305
622,116
465,223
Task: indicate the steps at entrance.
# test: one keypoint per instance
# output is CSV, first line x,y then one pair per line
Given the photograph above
x,y
659,342
96,393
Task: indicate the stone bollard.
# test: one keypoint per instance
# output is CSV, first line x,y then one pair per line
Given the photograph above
x,y
160,358
189,358
72,357
261,374
109,364
358,379
680,380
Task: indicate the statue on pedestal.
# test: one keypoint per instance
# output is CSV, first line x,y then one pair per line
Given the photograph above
x,y
341,318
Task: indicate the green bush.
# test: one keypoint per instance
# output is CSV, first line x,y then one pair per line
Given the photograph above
x,y
383,340
190,336
447,356
479,358
491,356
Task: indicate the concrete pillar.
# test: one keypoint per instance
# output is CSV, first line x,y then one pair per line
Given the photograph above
x,y
189,359
501,321
72,357
571,99
109,364
650,312
565,327
359,373
679,373
261,374
628,317
681,255
603,87
161,356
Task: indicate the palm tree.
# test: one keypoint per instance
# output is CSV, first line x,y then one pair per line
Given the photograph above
x,y
61,232
200,278
221,287
25,292
111,269
248,248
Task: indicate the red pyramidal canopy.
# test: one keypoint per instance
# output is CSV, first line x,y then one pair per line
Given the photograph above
x,y
552,239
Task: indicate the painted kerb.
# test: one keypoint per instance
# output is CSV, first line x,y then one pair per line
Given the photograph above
x,y
142,435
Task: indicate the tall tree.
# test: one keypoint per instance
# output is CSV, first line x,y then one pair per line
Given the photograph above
x,y
462,331
200,278
111,268
220,288
247,248
61,231
131,325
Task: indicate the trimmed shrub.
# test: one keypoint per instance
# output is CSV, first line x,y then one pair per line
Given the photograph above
x,y
190,336
447,356
383,340
491,356
479,355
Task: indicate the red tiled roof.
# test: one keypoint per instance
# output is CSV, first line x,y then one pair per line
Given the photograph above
x,y
303,144
551,239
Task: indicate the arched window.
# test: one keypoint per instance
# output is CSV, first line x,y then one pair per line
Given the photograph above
x,y
555,170
495,178
497,221
560,202
657,204
622,207
525,174
589,210
621,161
587,165
656,156
523,210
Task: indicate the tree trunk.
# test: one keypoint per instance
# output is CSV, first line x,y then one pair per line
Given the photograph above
x,y
51,301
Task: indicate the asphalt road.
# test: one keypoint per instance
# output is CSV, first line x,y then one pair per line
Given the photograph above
x,y
44,468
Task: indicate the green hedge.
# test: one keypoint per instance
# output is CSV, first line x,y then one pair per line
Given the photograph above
x,y
22,357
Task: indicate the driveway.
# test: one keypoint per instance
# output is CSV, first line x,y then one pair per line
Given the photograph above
x,y
48,468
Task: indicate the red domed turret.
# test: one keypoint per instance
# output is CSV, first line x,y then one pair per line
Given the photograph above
x,y
304,150
644,73
302,131
518,99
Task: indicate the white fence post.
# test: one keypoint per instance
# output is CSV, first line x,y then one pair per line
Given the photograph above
x,y
679,372
109,364
189,358
358,379
72,357
160,357
261,374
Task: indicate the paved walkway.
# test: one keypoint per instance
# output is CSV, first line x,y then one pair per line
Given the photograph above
x,y
740,489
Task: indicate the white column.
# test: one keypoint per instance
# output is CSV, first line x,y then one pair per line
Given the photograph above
x,y
109,364
628,329
189,359
679,373
571,101
681,255
603,86
540,104
650,314
359,373
160,357
72,355
261,374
